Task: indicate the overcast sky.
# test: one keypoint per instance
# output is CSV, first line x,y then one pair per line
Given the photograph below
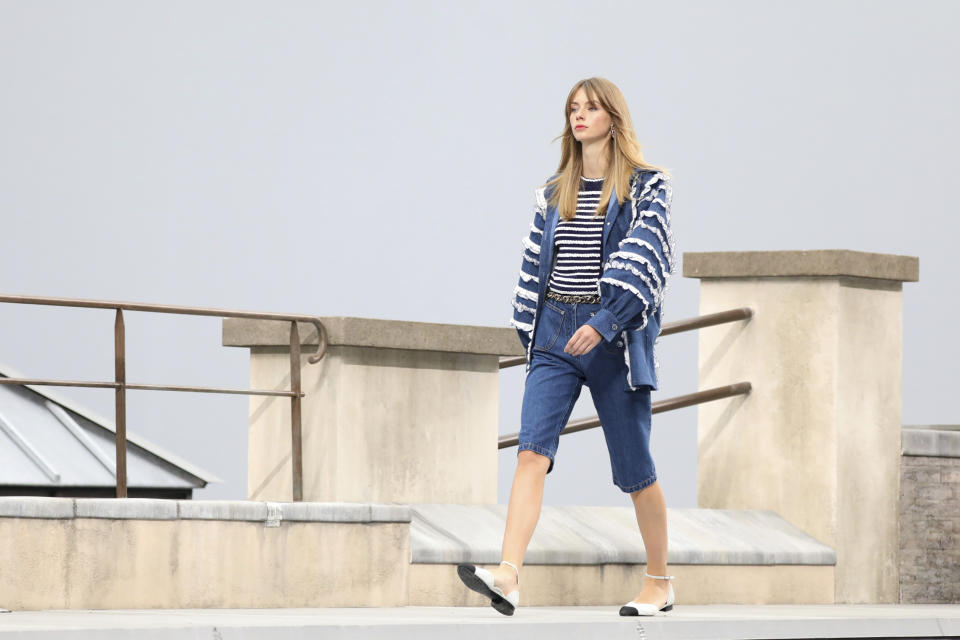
x,y
378,159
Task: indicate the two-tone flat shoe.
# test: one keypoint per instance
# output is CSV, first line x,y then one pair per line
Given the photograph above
x,y
481,581
646,609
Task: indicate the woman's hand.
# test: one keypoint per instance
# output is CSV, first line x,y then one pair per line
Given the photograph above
x,y
583,340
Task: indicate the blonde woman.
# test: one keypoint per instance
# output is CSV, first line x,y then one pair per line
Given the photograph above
x,y
587,308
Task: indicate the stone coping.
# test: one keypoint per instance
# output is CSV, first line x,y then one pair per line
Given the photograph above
x,y
941,441
371,332
237,510
451,533
823,263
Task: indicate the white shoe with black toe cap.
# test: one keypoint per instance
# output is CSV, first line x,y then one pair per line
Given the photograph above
x,y
646,609
481,581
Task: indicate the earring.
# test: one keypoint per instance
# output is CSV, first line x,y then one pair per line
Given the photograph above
x,y
611,131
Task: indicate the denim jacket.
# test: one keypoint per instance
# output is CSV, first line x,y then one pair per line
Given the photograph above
x,y
638,255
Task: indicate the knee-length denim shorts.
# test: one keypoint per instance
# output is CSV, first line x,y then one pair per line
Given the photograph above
x,y
553,385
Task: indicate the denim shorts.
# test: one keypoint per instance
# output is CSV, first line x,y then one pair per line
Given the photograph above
x,y
553,385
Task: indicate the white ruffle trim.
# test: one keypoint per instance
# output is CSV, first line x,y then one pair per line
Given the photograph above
x,y
643,243
531,246
629,287
625,266
525,293
669,249
639,259
540,194
523,326
626,358
522,307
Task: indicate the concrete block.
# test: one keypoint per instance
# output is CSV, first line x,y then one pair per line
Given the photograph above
x,y
127,508
241,510
36,507
343,512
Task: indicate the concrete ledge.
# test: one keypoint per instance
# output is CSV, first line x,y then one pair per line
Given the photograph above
x,y
225,510
449,533
370,332
824,263
126,508
344,512
36,507
240,510
936,440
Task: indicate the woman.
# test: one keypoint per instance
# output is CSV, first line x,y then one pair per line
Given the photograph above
x,y
587,308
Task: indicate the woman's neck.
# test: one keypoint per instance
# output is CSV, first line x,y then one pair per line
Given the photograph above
x,y
595,156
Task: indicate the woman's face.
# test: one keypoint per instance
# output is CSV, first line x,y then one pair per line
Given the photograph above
x,y
588,120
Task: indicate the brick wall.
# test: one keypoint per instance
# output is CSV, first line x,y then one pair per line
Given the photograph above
x,y
929,529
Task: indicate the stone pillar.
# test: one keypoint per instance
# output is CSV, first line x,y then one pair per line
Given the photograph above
x,y
394,412
818,439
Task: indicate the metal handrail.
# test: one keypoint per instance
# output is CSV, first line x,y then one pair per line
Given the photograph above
x,y
120,384
707,395
678,326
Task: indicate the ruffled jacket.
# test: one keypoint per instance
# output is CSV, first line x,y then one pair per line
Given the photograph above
x,y
638,256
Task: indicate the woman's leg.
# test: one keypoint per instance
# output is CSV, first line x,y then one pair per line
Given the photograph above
x,y
551,388
651,510
626,419
523,512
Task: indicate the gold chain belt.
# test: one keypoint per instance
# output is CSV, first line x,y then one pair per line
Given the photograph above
x,y
570,298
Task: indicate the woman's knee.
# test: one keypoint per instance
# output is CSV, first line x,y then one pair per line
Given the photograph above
x,y
533,460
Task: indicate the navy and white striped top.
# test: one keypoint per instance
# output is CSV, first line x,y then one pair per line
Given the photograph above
x,y
577,242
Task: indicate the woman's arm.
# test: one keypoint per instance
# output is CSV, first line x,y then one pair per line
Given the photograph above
x,y
525,293
635,276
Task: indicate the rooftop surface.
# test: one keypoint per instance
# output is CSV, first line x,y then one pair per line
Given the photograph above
x,y
556,623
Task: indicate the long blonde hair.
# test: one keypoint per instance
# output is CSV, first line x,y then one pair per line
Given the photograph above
x,y
624,154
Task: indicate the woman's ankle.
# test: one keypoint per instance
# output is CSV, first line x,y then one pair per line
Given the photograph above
x,y
509,572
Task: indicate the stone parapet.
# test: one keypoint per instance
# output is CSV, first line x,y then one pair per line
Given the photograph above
x,y
160,554
394,412
818,438
231,554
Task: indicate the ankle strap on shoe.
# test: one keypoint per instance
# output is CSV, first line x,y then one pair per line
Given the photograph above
x,y
514,568
661,577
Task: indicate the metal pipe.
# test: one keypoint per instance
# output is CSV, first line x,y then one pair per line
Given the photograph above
x,y
707,320
708,395
59,383
245,392
180,310
120,377
296,443
146,387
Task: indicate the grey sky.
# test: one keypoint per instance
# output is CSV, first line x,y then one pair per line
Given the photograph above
x,y
378,159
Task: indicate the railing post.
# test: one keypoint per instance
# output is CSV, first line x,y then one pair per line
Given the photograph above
x,y
120,377
296,448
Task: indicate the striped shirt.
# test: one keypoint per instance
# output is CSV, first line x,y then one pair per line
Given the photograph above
x,y
577,243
